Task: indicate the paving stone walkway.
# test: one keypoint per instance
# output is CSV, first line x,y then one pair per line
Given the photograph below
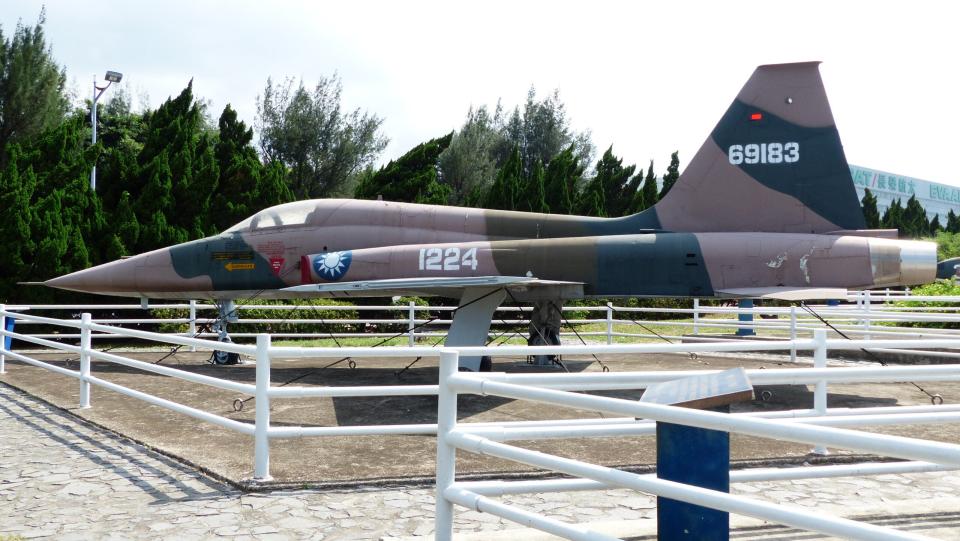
x,y
64,479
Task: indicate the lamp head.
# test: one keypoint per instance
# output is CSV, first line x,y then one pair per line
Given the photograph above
x,y
113,76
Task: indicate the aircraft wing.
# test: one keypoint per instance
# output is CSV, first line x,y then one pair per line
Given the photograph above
x,y
440,286
784,293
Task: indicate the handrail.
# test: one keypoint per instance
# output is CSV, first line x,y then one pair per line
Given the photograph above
x,y
816,426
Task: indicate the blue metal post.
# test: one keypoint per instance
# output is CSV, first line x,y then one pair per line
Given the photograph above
x,y
695,456
745,318
8,326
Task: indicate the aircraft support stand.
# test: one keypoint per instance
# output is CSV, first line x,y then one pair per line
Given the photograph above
x,y
226,313
471,322
746,318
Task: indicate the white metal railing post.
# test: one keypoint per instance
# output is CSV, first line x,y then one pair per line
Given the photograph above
x,y
193,322
3,339
261,438
866,310
820,391
411,323
85,360
609,322
696,316
860,301
446,452
793,333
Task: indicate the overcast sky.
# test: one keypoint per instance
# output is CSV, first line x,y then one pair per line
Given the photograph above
x,y
649,78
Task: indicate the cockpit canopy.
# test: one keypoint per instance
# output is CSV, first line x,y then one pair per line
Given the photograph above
x,y
288,214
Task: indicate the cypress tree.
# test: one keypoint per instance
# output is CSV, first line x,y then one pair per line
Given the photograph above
x,y
560,180
672,174
611,183
647,196
51,237
592,201
893,217
126,226
935,226
870,213
532,198
505,191
915,218
953,223
412,177
244,185
16,237
32,98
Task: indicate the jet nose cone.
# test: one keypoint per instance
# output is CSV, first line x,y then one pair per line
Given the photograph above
x,y
117,277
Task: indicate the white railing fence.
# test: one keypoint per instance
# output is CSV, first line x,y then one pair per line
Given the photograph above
x,y
453,436
817,425
868,316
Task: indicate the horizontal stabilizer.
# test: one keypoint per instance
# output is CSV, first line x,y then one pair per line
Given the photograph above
x,y
873,233
784,293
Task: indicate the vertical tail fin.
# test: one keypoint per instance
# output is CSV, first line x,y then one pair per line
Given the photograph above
x,y
773,163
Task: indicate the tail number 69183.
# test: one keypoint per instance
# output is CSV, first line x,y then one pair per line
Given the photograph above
x,y
764,153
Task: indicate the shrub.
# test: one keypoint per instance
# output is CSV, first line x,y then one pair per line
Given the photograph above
x,y
939,288
306,309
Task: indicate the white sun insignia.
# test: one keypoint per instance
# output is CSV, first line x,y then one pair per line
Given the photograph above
x,y
332,265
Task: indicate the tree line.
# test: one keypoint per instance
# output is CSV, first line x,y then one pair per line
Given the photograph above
x,y
910,219
175,173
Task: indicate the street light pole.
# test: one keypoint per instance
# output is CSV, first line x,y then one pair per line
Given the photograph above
x,y
111,77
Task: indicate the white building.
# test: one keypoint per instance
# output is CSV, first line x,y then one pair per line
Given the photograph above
x,y
888,187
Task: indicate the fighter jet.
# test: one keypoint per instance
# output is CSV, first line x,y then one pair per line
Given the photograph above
x,y
766,209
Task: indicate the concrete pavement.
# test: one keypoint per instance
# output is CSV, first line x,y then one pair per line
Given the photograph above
x,y
62,478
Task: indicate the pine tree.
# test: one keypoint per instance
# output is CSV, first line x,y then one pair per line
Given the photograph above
x,y
672,174
591,204
469,163
32,98
561,177
126,226
322,145
16,238
240,170
893,217
611,185
953,222
412,177
532,197
592,201
935,226
870,213
505,191
647,196
51,237
915,218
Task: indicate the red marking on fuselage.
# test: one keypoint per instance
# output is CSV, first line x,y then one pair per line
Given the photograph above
x,y
305,277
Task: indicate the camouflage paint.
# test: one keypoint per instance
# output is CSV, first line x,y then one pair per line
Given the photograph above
x,y
228,261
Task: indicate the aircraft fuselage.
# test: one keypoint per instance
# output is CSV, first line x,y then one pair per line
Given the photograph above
x,y
351,240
